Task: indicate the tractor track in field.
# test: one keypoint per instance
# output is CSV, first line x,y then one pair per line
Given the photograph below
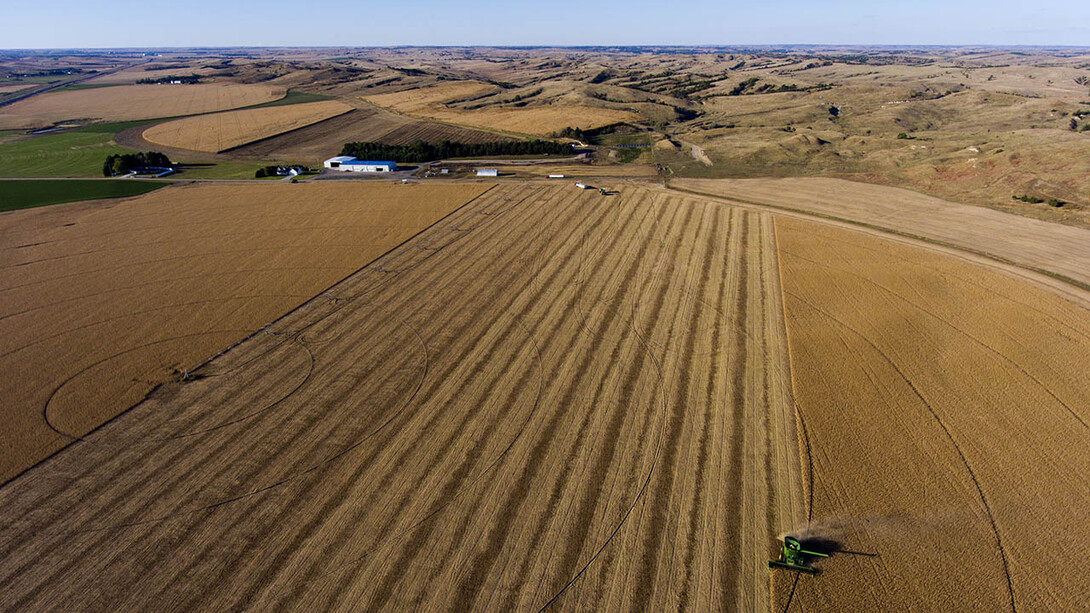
x,y
514,392
948,435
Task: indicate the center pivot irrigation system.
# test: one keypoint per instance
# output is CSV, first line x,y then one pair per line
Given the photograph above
x,y
794,557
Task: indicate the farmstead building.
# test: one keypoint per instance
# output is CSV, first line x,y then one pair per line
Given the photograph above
x,y
348,163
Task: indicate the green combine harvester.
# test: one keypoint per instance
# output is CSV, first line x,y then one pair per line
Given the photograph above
x,y
794,557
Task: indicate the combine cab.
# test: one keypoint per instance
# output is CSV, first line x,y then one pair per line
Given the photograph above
x,y
794,557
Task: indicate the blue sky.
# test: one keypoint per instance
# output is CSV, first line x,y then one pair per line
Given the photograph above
x,y
66,23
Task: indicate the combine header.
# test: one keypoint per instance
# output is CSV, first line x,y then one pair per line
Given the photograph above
x,y
794,557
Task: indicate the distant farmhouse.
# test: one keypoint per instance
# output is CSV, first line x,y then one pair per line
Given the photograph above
x,y
347,163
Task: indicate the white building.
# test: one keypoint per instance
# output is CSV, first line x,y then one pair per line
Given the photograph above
x,y
347,163
487,172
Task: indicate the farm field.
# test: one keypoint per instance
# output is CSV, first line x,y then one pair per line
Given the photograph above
x,y
67,154
218,132
132,102
429,102
590,391
326,138
103,302
581,170
947,410
27,194
1061,251
14,87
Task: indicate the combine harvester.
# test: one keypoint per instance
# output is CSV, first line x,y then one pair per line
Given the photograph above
x,y
794,557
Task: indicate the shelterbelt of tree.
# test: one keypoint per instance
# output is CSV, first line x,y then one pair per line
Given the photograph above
x,y
420,151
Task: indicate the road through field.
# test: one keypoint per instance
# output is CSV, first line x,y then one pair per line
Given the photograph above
x,y
550,399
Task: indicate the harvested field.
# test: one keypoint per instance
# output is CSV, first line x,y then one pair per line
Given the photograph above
x,y
536,120
103,302
947,410
8,89
413,101
1061,251
369,124
549,399
132,102
222,131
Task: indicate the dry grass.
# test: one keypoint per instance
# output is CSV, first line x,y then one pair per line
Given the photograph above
x,y
1057,249
131,102
222,131
548,382
535,120
103,302
947,409
415,101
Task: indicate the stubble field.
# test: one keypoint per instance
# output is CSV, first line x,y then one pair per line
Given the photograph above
x,y
102,302
551,398
1057,250
367,124
222,131
434,103
132,102
556,399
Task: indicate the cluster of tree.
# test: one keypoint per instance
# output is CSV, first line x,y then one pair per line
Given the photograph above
x,y
517,100
576,133
743,86
601,77
420,151
280,171
591,136
121,163
187,80
1053,202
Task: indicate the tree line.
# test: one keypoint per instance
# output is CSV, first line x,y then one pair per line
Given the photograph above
x,y
420,151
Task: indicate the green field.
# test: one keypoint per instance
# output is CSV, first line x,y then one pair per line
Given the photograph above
x,y
292,97
26,194
66,154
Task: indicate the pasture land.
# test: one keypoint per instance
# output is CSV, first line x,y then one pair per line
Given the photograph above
x,y
132,102
432,102
104,302
28,194
946,410
222,131
588,391
66,154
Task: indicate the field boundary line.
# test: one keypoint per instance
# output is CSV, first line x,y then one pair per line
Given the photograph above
x,y
272,136
260,330
996,259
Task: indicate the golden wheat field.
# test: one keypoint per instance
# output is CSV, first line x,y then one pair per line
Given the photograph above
x,y
318,141
431,102
131,102
946,411
222,131
550,398
103,302
554,399
1058,250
